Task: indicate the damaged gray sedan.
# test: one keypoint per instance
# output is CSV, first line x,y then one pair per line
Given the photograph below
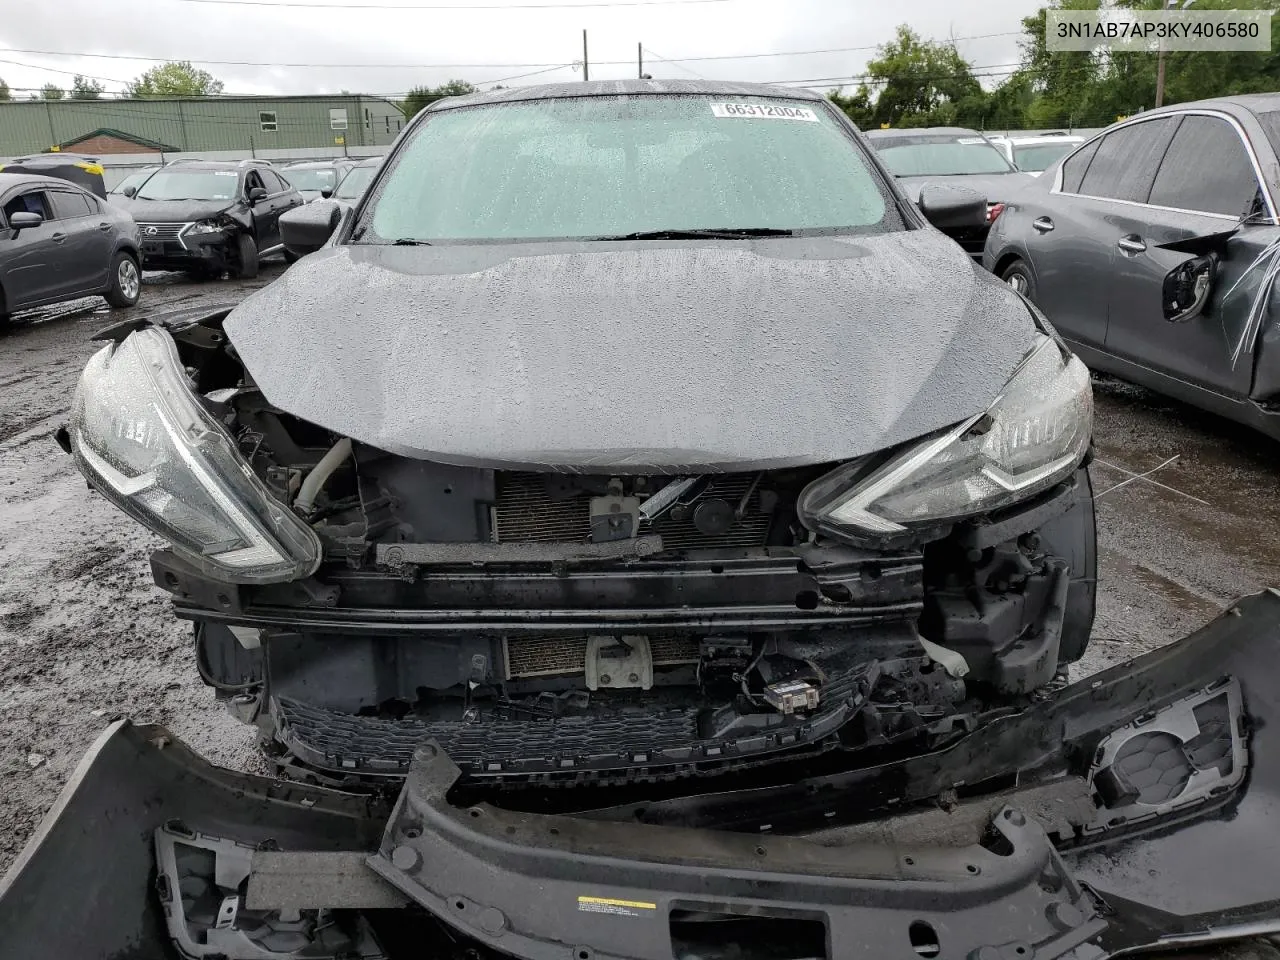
x,y
638,532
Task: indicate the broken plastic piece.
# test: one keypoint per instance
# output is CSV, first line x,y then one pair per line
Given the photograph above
x,y
951,661
199,883
791,695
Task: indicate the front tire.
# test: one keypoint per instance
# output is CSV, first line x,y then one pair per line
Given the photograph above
x,y
126,281
247,250
1018,275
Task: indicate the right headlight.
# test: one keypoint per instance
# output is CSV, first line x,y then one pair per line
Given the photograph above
x,y
1033,436
143,440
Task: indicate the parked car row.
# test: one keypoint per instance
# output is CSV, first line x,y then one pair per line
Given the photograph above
x,y
67,236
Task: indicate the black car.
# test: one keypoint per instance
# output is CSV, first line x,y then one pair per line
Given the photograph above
x,y
59,242
316,179
83,171
357,181
1153,249
641,488
956,156
208,217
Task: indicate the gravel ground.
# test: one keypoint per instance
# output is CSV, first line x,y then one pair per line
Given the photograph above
x,y
84,636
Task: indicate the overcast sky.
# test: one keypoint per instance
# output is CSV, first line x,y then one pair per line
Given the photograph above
x,y
484,45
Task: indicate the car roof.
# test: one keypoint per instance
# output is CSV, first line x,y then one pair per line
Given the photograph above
x,y
922,132
607,88
1040,138
11,180
1249,102
332,162
370,161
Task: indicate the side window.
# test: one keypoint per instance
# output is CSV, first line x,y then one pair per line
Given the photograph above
x,y
1206,168
32,202
69,206
1125,162
252,181
271,182
1074,169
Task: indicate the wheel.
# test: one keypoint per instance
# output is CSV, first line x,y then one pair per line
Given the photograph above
x,y
1018,275
248,257
126,281
290,257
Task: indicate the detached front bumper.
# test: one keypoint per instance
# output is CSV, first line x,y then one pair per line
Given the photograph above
x,y
1133,810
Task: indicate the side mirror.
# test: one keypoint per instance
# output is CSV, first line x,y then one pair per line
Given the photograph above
x,y
952,208
22,220
256,194
1187,288
326,192
307,228
129,191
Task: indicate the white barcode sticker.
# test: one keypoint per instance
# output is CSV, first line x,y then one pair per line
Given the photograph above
x,y
763,111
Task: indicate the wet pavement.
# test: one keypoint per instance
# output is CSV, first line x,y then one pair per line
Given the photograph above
x,y
84,636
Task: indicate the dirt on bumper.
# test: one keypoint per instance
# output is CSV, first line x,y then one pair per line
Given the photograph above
x,y
1131,810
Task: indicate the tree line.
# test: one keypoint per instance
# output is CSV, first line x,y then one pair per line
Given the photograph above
x,y
921,83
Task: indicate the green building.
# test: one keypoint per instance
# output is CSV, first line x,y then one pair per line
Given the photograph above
x,y
197,124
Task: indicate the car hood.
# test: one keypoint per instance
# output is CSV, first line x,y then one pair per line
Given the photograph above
x,y
172,211
995,187
636,356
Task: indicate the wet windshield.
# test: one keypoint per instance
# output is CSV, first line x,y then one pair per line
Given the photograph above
x,y
134,180
311,178
610,167
1041,156
934,156
190,185
353,183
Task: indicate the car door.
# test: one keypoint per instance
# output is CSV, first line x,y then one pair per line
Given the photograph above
x,y
265,224
31,267
88,241
280,198
1070,243
1206,182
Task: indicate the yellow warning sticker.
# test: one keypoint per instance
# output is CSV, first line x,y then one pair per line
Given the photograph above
x,y
619,908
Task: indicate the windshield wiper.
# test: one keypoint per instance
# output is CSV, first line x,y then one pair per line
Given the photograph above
x,y
721,233
410,242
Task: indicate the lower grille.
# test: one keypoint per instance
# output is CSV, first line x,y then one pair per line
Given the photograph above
x,y
161,231
526,512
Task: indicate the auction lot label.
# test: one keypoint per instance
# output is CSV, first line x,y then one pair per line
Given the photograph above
x,y
763,111
1145,30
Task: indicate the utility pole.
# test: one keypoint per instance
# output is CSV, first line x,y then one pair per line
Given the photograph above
x,y
640,60
1160,56
586,68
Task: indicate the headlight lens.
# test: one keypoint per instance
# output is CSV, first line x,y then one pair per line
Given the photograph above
x,y
205,226
1032,437
142,439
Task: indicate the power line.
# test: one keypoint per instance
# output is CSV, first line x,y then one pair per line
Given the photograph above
x,y
486,6
661,59
453,66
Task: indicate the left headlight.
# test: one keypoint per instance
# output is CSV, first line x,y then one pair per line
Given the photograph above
x,y
1032,437
143,440
206,226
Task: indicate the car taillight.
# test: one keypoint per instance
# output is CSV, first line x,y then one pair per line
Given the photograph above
x,y
994,210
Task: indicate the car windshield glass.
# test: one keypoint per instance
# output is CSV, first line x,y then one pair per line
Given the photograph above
x,y
940,156
611,167
1040,156
353,183
132,180
190,185
311,178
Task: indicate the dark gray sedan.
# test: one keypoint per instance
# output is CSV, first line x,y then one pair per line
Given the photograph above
x,y
1153,249
59,242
